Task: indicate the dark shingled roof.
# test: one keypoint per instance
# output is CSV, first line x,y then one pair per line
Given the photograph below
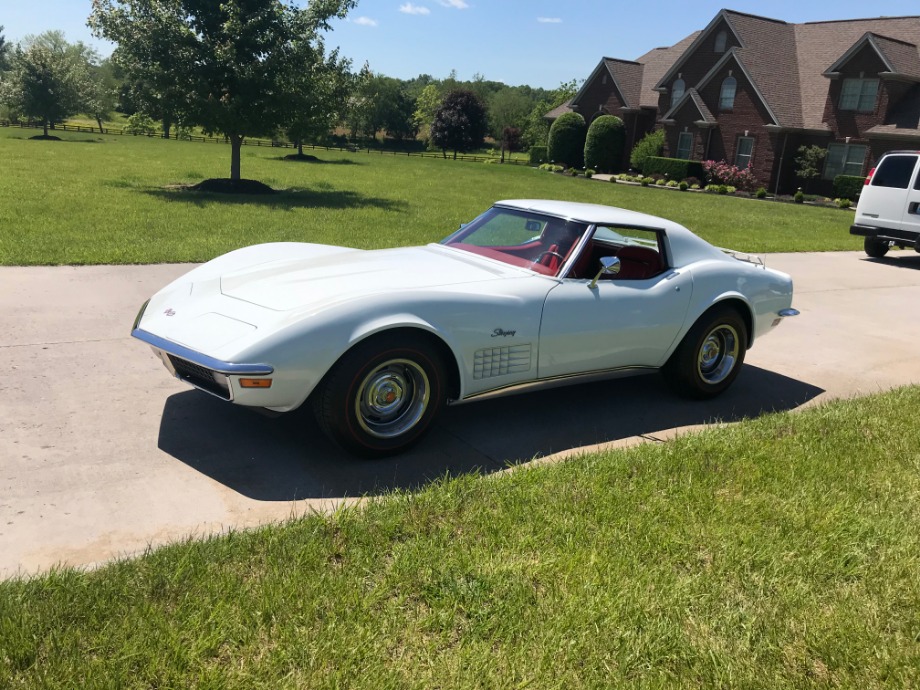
x,y
655,63
821,44
628,76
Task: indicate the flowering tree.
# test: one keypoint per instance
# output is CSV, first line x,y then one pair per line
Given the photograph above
x,y
720,172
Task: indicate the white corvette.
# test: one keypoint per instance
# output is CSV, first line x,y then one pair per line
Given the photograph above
x,y
529,293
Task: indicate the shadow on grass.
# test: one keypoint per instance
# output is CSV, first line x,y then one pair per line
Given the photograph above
x,y
313,160
288,457
283,199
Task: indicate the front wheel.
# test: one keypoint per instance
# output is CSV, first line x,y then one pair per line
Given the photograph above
x,y
710,356
381,396
875,247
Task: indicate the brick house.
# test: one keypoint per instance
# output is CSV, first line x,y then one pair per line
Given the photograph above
x,y
751,90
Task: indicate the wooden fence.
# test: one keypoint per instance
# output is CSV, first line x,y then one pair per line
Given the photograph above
x,y
266,142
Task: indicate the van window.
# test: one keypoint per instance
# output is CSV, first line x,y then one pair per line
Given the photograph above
x,y
895,171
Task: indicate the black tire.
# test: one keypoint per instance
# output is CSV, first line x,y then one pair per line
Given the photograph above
x,y
382,395
875,247
710,356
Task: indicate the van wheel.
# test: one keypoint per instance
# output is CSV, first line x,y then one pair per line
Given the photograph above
x,y
875,247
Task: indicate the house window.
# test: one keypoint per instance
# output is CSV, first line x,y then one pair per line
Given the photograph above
x,y
721,39
844,159
677,91
744,152
859,95
685,145
727,94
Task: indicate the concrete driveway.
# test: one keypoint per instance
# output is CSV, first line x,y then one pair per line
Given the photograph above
x,y
102,454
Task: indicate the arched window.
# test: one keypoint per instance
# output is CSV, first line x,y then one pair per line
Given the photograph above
x,y
727,95
677,91
721,39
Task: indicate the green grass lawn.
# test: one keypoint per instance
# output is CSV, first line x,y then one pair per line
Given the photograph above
x,y
782,552
94,199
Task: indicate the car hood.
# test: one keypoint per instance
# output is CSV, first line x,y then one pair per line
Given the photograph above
x,y
324,278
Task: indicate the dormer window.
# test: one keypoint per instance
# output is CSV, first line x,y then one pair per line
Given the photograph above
x,y
727,94
721,40
859,95
677,91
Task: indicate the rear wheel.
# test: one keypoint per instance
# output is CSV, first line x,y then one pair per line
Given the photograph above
x,y
382,395
875,247
710,356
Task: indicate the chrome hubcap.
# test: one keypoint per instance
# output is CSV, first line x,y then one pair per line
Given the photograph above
x,y
718,354
392,398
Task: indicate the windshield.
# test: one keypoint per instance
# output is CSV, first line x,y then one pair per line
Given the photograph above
x,y
520,238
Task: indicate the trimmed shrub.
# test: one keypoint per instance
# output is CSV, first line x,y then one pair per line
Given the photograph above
x,y
674,168
761,193
683,186
652,144
660,182
572,171
799,197
671,183
604,143
645,181
843,203
567,140
589,173
538,155
695,187
848,186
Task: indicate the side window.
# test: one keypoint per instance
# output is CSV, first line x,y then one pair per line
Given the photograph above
x,y
895,171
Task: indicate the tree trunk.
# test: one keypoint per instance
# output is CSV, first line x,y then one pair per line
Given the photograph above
x,y
503,150
45,125
166,127
99,122
455,154
236,145
300,148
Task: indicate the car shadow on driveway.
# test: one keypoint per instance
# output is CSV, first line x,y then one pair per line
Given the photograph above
x,y
900,261
288,458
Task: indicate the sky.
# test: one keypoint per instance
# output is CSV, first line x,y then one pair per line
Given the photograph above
x,y
541,43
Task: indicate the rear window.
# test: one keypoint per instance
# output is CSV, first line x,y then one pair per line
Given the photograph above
x,y
894,171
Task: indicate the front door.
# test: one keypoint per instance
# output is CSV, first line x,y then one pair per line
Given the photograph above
x,y
619,323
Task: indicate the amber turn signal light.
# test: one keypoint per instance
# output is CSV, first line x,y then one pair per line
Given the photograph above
x,y
256,383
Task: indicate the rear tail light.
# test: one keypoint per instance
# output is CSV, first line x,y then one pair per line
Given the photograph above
x,y
869,177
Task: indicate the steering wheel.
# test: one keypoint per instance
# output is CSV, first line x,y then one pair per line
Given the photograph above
x,y
550,253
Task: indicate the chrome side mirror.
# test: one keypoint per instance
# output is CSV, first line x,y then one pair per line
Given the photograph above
x,y
610,266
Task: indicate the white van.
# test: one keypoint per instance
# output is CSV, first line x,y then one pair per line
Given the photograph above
x,y
888,212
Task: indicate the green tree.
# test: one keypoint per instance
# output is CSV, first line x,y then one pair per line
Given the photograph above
x,y
652,144
325,105
536,127
426,105
808,163
50,78
234,65
604,144
4,50
507,110
567,140
101,95
460,123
